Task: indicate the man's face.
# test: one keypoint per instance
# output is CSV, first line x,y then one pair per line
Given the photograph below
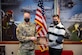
x,y
26,17
55,18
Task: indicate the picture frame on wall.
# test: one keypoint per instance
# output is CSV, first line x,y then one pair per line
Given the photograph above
x,y
71,17
15,8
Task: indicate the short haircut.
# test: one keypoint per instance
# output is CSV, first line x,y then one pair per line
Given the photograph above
x,y
56,16
26,11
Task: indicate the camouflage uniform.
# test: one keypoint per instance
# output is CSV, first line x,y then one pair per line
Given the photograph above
x,y
24,32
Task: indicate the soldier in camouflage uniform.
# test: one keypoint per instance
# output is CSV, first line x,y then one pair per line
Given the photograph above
x,y
26,35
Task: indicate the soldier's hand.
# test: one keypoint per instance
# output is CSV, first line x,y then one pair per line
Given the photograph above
x,y
33,38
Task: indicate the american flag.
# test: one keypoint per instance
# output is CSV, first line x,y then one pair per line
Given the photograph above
x,y
41,26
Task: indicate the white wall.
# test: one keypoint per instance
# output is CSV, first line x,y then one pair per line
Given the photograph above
x,y
9,48
76,48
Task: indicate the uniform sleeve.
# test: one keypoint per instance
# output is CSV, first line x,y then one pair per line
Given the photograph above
x,y
20,35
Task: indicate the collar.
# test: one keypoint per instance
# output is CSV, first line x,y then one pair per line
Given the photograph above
x,y
27,24
58,24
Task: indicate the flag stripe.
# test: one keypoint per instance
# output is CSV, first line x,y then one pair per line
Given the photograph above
x,y
38,15
43,25
39,22
39,9
42,33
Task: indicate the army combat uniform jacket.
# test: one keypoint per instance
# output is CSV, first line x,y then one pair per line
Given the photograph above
x,y
24,32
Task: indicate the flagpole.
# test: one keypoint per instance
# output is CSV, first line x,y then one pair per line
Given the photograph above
x,y
55,7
